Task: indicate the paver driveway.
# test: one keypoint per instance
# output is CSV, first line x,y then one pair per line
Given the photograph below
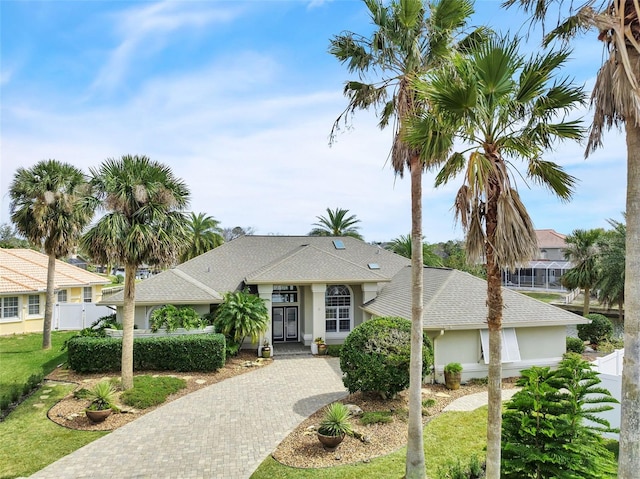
x,y
222,431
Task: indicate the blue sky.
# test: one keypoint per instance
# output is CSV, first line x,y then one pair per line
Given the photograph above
x,y
239,97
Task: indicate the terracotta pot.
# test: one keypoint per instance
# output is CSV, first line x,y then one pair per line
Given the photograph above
x,y
330,442
322,349
452,380
98,416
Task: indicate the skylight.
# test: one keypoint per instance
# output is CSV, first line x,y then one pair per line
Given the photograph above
x,y
338,244
373,266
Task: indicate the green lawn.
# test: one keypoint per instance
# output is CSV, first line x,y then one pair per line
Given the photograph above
x,y
447,438
545,297
22,355
30,441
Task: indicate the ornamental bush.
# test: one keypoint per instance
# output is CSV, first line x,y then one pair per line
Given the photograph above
x,y
172,317
600,329
375,357
575,345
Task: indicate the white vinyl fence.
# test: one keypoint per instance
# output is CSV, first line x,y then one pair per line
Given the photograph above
x,y
72,316
610,369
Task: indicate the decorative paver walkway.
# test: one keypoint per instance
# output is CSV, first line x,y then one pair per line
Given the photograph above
x,y
222,431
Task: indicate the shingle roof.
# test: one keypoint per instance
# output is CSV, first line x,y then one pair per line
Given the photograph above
x,y
457,300
550,239
269,259
25,270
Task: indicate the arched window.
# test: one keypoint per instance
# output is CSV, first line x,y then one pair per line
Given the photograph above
x,y
338,309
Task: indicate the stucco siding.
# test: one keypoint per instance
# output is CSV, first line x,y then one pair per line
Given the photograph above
x,y
542,343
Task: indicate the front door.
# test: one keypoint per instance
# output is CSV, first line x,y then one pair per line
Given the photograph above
x,y
285,323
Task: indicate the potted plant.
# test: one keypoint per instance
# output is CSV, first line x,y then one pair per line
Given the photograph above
x,y
316,342
453,375
334,425
266,349
102,397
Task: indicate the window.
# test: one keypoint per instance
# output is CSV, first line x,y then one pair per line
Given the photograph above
x,y
510,348
284,294
9,307
34,304
87,294
338,315
62,296
338,244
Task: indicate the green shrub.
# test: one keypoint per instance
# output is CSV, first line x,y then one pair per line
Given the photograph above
x,y
148,391
457,470
375,357
428,402
453,368
241,314
334,350
102,396
201,352
544,433
575,345
600,329
610,346
336,420
171,318
376,417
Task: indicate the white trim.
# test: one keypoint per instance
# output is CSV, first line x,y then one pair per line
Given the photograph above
x,y
510,348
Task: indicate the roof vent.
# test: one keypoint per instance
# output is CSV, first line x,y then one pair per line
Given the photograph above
x,y
373,266
338,244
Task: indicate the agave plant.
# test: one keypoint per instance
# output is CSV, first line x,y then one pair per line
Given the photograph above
x,y
336,421
102,396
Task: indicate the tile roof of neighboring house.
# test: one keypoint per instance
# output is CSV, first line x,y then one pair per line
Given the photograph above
x,y
457,300
25,270
268,259
550,239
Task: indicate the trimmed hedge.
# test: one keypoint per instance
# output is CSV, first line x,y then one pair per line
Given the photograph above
x,y
202,352
600,329
375,356
575,345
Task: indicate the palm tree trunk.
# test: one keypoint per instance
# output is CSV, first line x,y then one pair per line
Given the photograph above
x,y
48,305
127,325
629,459
415,466
494,320
587,298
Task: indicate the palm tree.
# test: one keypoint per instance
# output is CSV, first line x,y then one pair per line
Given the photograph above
x,y
48,208
204,234
402,246
336,223
610,283
582,251
144,223
503,107
616,101
405,43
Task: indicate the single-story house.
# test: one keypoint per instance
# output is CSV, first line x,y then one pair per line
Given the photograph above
x,y
23,287
326,286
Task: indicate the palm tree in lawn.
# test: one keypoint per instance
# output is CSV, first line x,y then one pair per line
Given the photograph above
x,y
204,235
409,38
616,101
582,251
504,108
610,283
143,223
49,208
336,223
402,246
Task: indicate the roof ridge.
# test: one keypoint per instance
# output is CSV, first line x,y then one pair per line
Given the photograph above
x,y
439,289
264,268
197,283
349,262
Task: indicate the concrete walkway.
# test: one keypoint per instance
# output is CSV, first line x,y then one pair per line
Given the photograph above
x,y
222,431
472,402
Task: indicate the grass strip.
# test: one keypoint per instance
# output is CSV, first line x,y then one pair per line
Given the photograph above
x,y
150,391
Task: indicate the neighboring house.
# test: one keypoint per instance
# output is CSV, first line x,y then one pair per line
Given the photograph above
x,y
23,287
546,270
455,318
326,286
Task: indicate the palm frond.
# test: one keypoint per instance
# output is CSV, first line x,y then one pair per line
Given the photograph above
x,y
515,239
452,167
551,175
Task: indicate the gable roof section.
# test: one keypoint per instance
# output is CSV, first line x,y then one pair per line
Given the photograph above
x,y
309,264
271,259
25,270
550,239
457,300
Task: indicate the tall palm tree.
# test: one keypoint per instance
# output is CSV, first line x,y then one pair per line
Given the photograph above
x,y
144,223
336,223
409,38
204,234
610,283
402,246
582,251
504,108
48,208
616,101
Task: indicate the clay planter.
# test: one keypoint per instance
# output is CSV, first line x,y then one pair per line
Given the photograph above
x,y
98,416
266,352
452,380
330,442
322,349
